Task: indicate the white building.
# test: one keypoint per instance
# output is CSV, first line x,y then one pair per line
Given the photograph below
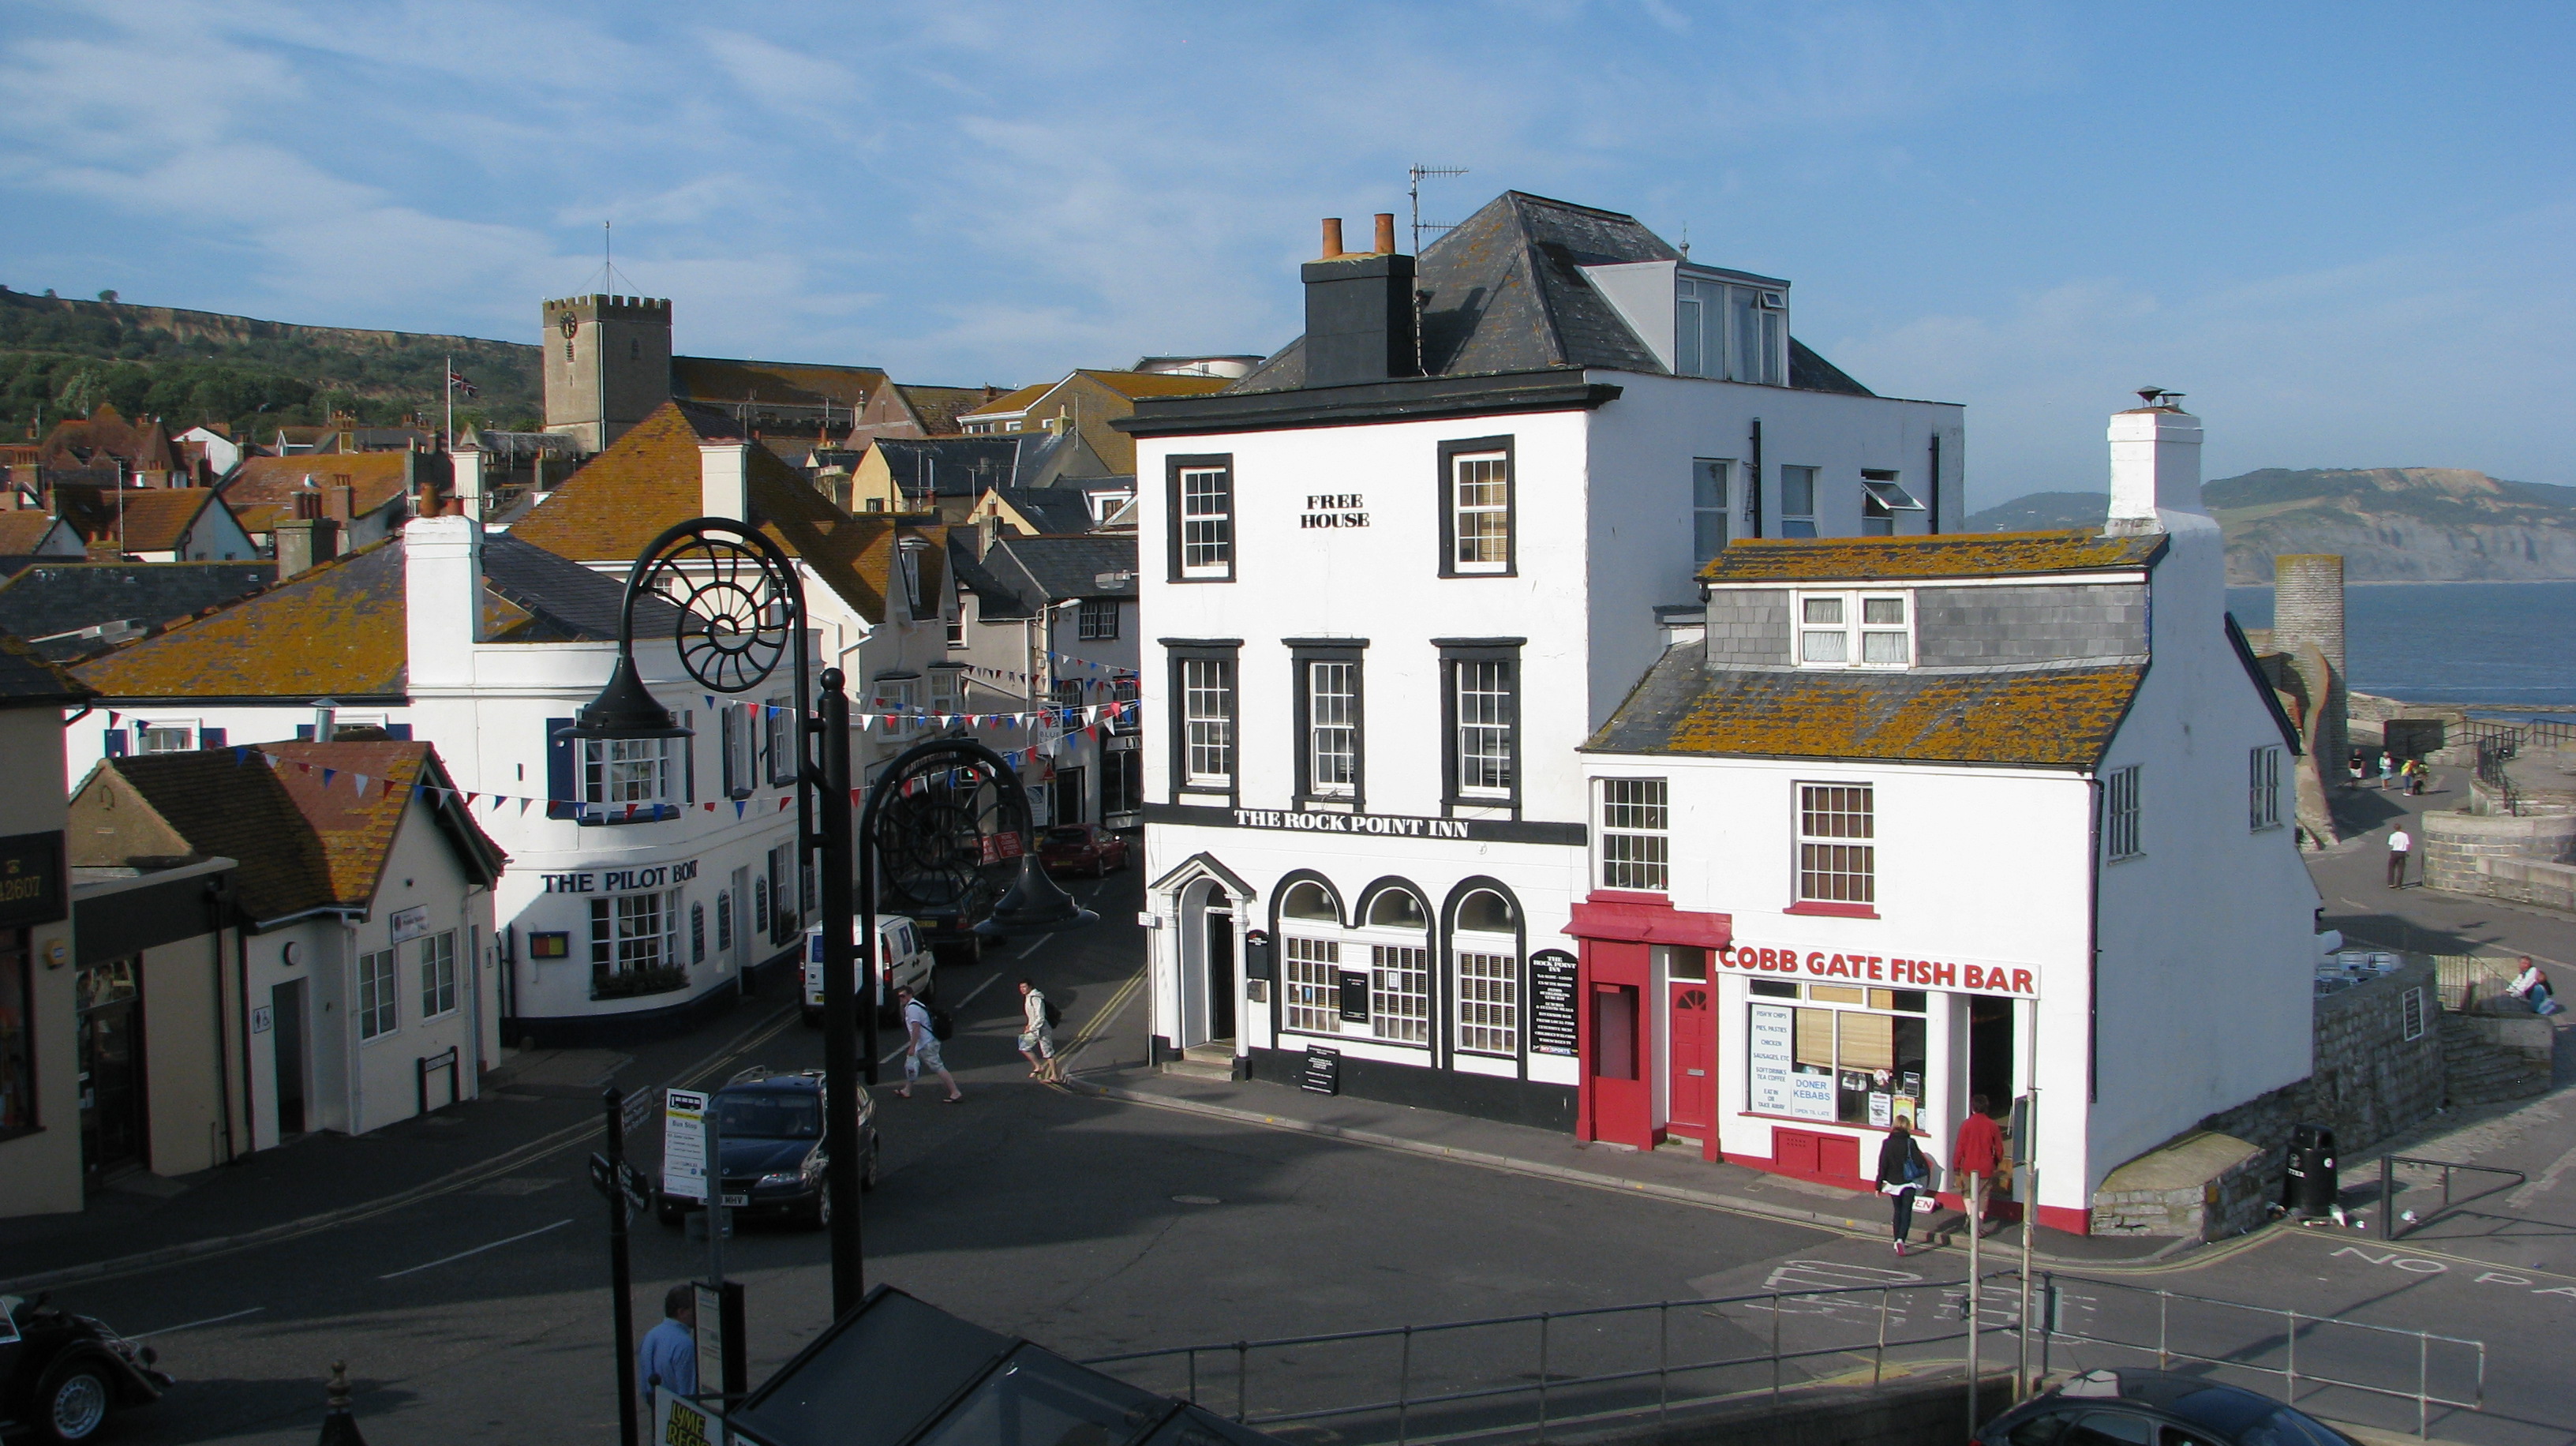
x,y
1902,822
1395,578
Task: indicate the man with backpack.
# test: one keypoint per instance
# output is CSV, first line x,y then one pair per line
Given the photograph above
x,y
1038,1019
921,1047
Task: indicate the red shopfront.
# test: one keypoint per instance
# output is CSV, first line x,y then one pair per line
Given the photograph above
x,y
1649,1033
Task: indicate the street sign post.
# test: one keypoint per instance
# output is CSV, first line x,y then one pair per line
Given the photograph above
x,y
684,1144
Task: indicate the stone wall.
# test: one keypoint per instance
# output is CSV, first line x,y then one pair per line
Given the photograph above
x,y
2307,611
2456,845
2367,1082
2529,881
1748,628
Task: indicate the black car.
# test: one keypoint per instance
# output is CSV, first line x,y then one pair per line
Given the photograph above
x,y
771,1126
61,1374
2155,1408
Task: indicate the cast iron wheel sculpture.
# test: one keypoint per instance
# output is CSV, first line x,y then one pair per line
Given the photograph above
x,y
939,834
735,596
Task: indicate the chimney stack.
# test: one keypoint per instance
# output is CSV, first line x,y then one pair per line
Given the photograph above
x,y
1361,322
724,479
469,479
2155,464
303,543
341,502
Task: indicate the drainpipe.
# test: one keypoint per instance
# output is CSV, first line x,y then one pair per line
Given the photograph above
x,y
218,904
241,967
1753,493
2092,955
1936,482
349,1067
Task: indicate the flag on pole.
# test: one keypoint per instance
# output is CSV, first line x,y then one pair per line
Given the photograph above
x,y
461,384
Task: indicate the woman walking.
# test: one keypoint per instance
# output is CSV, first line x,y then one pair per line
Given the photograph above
x,y
1037,1036
1902,1171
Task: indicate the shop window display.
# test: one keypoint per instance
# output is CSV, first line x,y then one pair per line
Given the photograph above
x,y
1834,1052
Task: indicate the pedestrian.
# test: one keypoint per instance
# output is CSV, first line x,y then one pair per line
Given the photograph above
x,y
1037,1036
1902,1171
921,1047
1977,1153
2398,845
669,1355
2387,768
2532,986
2357,767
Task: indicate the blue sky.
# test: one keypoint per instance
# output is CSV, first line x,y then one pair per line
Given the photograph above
x,y
2345,230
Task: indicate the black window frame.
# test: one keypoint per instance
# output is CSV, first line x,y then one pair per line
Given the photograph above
x,y
1450,451
1302,653
1177,652
1173,467
1454,651
1091,615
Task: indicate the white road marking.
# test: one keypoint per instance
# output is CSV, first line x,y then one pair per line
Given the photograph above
x,y
192,1325
477,1250
980,988
1033,948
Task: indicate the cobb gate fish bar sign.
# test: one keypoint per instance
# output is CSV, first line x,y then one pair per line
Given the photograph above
x,y
2016,981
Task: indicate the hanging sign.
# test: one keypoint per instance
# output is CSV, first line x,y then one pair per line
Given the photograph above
x,y
684,1144
1553,1028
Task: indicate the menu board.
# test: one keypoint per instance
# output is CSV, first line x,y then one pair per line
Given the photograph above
x,y
1552,989
1770,1054
1811,1095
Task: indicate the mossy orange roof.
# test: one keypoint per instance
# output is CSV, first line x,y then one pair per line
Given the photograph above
x,y
374,478
336,631
2035,717
1962,554
1159,384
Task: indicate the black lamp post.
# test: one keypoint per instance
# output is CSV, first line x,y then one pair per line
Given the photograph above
x,y
739,612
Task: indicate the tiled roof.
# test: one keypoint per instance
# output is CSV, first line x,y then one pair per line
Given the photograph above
x,y
1963,554
954,466
1157,384
107,433
336,631
2037,717
648,479
303,834
938,408
375,478
1058,510
1009,402
27,680
558,600
24,532
723,381
150,519
1505,292
995,600
60,596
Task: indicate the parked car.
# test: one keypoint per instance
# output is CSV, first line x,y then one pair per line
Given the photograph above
x,y
1084,847
62,1374
771,1133
909,963
2155,1408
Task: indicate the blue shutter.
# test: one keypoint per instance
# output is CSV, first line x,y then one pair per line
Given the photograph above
x,y
560,788
210,738
689,757
115,738
398,732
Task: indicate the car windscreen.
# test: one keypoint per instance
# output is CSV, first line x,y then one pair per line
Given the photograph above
x,y
2224,1409
769,1116
1072,834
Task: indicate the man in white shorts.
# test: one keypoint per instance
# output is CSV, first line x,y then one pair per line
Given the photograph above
x,y
921,1048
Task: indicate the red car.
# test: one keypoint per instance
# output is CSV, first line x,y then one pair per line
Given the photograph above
x,y
1083,846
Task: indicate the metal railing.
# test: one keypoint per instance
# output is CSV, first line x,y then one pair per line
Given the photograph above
x,y
2284,1344
2388,1221
2496,748
1457,1379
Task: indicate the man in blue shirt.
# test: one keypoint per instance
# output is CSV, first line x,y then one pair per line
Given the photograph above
x,y
669,1355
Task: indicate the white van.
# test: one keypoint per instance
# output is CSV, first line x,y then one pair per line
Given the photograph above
x,y
909,962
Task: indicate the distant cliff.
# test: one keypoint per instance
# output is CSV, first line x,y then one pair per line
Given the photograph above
x,y
2392,524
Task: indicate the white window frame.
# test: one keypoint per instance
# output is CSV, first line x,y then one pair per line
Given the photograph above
x,y
734,728
1851,632
1490,515
186,730
1311,983
1486,739
2263,788
1206,522
1485,992
1795,523
778,734
643,932
1400,992
1712,475
1633,822
438,975
379,1012
1207,722
947,689
618,771
1332,733
2123,814
1825,856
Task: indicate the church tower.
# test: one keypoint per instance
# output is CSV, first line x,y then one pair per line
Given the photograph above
x,y
607,365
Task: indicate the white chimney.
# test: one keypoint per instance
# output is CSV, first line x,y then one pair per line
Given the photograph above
x,y
468,462
2155,464
442,599
724,480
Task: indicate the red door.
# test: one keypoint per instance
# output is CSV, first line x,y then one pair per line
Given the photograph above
x,y
1692,1051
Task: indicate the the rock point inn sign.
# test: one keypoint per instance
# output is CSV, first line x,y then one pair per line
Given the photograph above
x,y
1384,825
1949,976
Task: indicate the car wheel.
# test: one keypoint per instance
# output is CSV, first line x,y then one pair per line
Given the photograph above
x,y
820,1217
72,1401
868,1168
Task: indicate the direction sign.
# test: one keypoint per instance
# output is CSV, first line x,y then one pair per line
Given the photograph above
x,y
684,1144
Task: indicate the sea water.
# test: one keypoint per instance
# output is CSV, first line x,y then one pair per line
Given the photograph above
x,y
2450,642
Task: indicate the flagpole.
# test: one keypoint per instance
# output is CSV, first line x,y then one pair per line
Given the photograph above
x,y
450,371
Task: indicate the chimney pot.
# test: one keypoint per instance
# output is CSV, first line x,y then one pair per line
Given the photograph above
x,y
1332,239
1386,233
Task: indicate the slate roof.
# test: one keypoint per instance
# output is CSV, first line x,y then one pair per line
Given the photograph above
x,y
563,601
996,601
60,596
1506,293
938,408
2035,717
954,466
1067,567
1061,509
29,680
1962,554
648,479
304,836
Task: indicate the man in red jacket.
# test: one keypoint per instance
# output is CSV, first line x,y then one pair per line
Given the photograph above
x,y
1976,1154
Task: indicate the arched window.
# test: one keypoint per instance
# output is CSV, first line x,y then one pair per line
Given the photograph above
x,y
1485,953
1309,900
1399,968
1310,959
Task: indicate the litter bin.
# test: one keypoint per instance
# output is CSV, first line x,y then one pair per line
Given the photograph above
x,y
2310,1186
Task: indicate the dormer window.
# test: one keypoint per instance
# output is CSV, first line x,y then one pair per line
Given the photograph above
x,y
1855,630
1730,330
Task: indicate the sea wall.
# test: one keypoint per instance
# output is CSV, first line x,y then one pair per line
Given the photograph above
x,y
2456,847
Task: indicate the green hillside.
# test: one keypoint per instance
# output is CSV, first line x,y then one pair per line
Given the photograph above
x,y
62,357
